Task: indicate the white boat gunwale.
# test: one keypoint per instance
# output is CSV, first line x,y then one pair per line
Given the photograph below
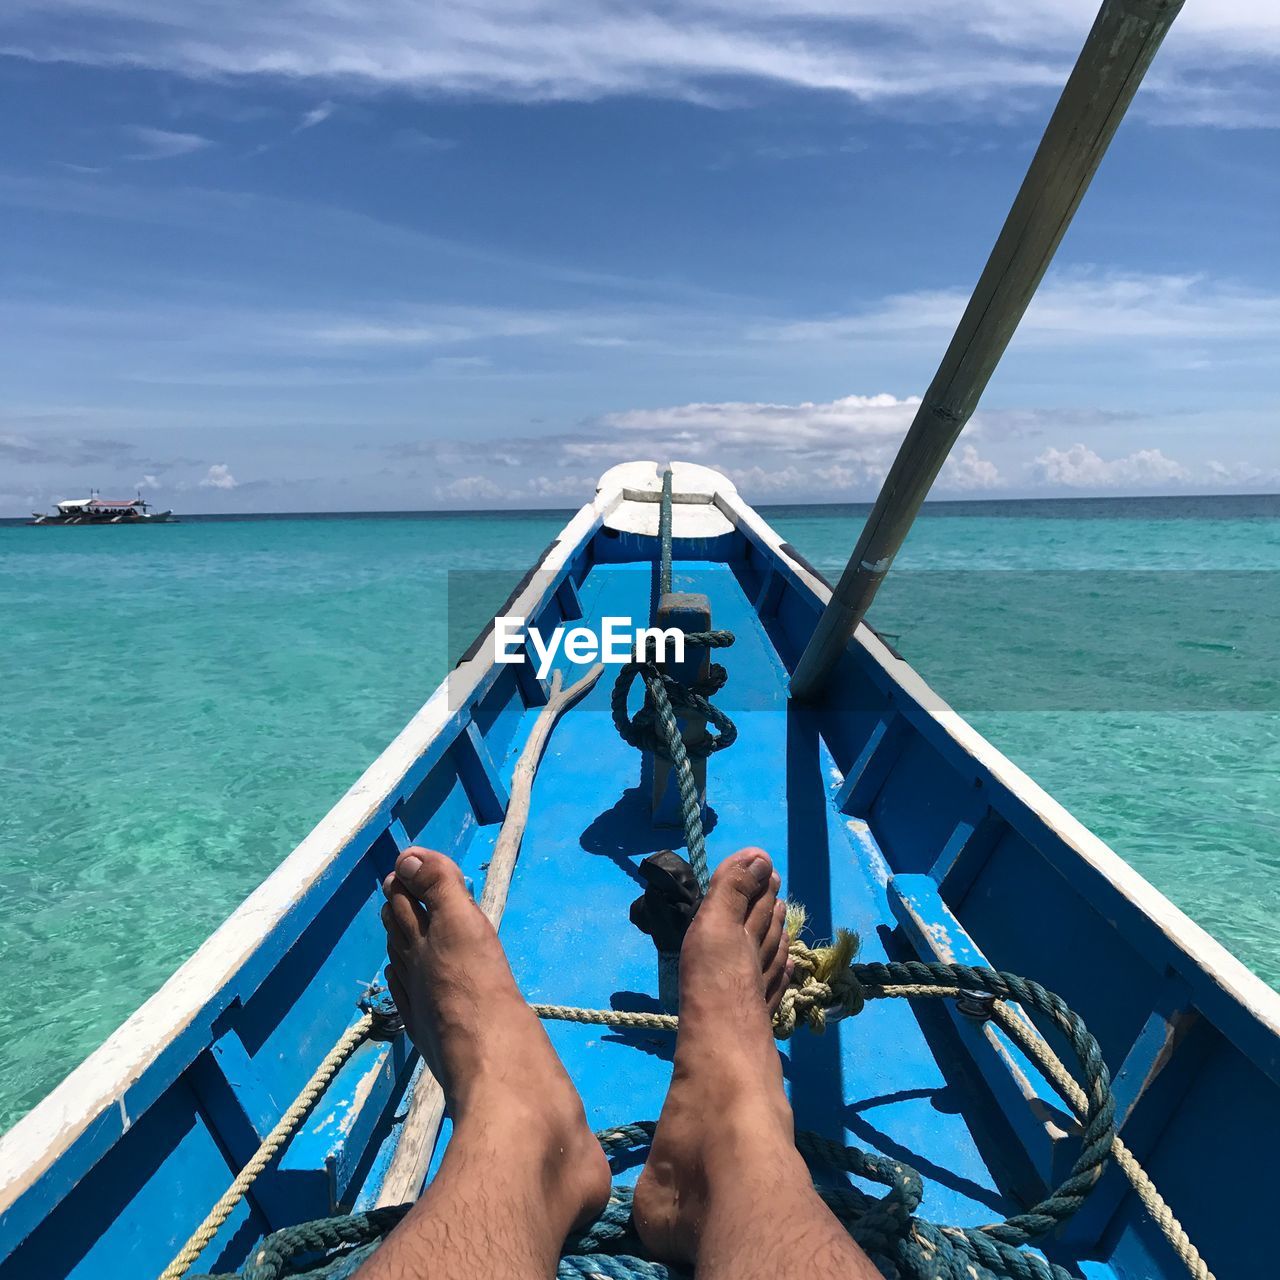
x,y
1041,814
222,968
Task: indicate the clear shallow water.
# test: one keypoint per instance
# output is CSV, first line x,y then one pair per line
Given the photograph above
x,y
179,705
1125,654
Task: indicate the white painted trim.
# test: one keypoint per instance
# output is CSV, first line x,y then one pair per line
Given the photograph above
x,y
693,510
1200,947
102,1080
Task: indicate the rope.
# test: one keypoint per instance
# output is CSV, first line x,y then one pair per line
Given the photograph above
x,y
664,534
654,728
903,1246
831,995
900,1244
817,997
272,1143
1034,1045
827,986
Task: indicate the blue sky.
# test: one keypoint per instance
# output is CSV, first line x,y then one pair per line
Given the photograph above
x,y
317,255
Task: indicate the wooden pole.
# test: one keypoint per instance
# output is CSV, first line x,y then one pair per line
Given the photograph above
x,y
1115,57
408,1169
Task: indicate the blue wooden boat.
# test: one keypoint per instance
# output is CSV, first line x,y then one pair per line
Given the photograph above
x,y
885,812
270,1062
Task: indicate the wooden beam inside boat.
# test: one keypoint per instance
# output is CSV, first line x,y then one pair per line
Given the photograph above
x,y
1115,57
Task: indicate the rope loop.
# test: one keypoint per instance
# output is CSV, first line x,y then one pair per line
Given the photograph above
x,y
652,730
1098,1113
653,727
823,987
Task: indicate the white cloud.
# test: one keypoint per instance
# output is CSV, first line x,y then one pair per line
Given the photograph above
x,y
568,488
814,451
1243,475
1079,467
1081,307
164,144
317,115
147,482
851,424
839,445
965,471
436,327
219,477
474,488
994,55
820,450
419,140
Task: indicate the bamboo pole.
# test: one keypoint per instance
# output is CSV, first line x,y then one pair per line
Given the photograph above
x,y
408,1169
1115,57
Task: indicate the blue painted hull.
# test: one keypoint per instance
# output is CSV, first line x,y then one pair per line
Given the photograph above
x,y
884,813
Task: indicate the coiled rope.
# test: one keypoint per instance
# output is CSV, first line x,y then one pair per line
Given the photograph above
x,y
1034,1045
901,1244
827,986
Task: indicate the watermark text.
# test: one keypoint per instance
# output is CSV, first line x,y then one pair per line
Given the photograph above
x,y
618,641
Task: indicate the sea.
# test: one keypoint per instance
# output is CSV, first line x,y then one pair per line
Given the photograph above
x,y
180,704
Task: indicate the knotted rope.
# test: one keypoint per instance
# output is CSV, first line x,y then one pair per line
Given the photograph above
x,y
822,983
654,728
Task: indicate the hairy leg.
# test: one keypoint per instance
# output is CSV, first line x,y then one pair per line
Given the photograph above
x,y
522,1168
724,1187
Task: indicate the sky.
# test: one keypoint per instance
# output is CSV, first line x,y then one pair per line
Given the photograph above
x,y
316,255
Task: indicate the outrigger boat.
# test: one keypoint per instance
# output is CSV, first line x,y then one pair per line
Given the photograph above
x,y
96,510
267,1084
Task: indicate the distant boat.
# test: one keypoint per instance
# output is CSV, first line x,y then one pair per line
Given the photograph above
x,y
96,510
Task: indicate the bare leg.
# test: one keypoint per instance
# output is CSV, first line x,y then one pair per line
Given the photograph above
x,y
724,1187
522,1168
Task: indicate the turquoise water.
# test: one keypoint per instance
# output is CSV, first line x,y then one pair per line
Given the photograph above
x,y
179,705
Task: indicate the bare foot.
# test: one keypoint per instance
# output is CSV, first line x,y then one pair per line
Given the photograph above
x,y
463,1011
726,1107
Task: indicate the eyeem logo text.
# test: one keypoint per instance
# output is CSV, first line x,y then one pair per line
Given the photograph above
x,y
618,642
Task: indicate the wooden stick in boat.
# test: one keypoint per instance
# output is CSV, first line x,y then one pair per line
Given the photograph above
x,y
412,1156
1115,57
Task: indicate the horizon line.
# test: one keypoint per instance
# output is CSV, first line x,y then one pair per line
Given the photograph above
x,y
762,506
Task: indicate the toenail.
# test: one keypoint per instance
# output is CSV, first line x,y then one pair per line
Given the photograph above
x,y
756,868
409,866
